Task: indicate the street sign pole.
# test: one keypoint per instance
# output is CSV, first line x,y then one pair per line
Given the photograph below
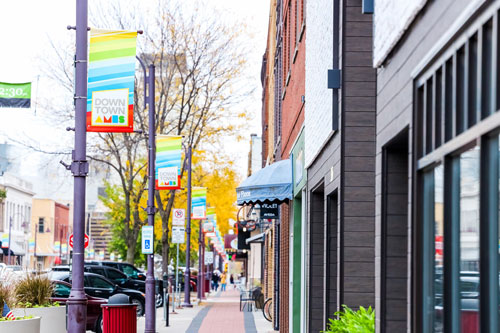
x,y
176,275
187,300
77,301
150,278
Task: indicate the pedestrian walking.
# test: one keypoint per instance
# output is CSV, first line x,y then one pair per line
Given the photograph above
x,y
231,280
223,282
215,280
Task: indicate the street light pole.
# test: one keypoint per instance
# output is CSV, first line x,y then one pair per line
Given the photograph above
x,y
77,301
149,84
187,272
150,279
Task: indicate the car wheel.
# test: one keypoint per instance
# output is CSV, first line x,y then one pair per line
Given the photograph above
x,y
159,299
98,325
140,306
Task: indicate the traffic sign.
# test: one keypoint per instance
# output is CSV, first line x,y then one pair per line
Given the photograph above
x,y
178,235
147,239
85,244
209,258
178,217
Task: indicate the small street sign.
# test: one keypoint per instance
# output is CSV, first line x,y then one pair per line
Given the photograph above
x,y
85,244
147,239
209,258
178,217
178,235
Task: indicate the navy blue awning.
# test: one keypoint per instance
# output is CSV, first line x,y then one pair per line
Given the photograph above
x,y
268,185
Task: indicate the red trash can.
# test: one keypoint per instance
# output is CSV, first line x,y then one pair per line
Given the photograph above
x,y
119,315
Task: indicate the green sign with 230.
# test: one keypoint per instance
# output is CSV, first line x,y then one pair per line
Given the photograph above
x,y
15,90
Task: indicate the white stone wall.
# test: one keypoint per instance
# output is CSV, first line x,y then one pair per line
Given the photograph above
x,y
319,53
391,19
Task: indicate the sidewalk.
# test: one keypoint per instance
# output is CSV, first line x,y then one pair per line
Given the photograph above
x,y
220,313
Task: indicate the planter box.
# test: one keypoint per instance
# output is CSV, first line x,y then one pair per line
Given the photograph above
x,y
24,326
53,319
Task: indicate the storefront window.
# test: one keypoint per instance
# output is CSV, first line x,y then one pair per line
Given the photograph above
x,y
438,248
469,240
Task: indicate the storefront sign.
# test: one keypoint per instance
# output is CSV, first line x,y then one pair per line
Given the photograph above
x,y
15,95
111,74
168,162
269,211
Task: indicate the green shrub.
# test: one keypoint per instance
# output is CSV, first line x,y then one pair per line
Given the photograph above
x,y
349,321
34,291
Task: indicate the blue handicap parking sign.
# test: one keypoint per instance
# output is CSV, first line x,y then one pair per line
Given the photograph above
x,y
146,244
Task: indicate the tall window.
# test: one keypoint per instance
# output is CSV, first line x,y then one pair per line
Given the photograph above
x,y
469,240
438,248
41,225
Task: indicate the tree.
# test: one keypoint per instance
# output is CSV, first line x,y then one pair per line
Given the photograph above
x,y
200,70
211,170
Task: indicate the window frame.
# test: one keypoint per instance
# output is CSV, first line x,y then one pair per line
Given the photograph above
x,y
480,128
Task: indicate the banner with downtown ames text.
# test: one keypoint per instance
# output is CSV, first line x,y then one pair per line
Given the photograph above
x,y
199,203
15,95
210,223
110,88
168,162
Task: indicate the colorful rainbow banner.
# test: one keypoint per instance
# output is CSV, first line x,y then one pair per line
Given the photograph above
x,y
5,241
110,90
199,203
168,162
209,225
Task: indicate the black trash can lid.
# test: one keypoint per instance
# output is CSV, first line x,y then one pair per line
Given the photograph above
x,y
119,299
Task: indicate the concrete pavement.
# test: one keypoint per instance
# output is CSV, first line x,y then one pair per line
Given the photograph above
x,y
219,313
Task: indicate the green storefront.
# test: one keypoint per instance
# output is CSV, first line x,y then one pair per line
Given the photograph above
x,y
297,229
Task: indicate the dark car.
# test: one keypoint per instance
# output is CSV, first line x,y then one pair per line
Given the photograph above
x,y
129,269
94,311
99,286
133,273
117,277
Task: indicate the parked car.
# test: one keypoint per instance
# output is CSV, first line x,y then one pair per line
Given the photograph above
x,y
116,277
98,286
129,269
133,273
94,311
60,268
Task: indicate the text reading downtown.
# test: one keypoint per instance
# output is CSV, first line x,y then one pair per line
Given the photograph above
x,y
110,107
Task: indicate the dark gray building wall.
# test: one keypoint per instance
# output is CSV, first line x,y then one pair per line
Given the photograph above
x,y
346,165
394,114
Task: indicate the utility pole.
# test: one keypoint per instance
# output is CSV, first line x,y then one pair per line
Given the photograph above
x,y
77,301
187,272
150,278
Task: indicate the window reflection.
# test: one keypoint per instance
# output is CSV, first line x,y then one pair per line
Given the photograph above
x,y
469,240
438,248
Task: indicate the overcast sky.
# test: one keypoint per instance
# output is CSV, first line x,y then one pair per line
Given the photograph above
x,y
28,25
